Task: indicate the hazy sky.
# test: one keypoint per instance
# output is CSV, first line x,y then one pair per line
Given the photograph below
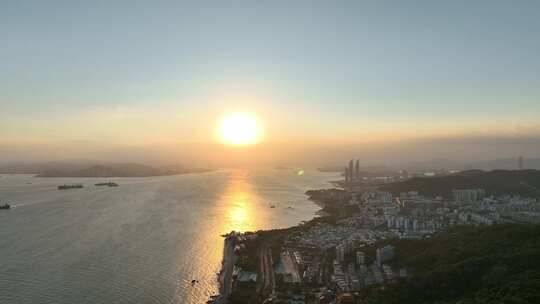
x,y
164,72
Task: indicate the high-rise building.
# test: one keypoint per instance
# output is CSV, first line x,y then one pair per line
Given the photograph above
x,y
346,174
351,170
360,258
357,170
341,252
520,163
384,254
385,197
468,195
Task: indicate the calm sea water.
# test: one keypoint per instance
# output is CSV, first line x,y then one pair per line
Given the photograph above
x,y
142,242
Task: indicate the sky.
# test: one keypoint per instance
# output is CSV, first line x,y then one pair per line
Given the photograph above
x,y
106,76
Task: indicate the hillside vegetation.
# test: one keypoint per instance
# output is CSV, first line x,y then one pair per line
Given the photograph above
x,y
522,182
496,264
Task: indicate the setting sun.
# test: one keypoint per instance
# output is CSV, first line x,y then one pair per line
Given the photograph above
x,y
239,129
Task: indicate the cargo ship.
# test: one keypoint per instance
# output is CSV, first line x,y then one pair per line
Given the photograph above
x,y
110,184
67,187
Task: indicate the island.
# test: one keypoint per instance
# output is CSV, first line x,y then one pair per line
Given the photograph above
x,y
105,170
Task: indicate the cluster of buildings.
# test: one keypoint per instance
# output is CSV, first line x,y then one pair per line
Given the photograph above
x,y
419,216
306,259
305,254
351,271
411,215
355,177
468,195
508,208
324,236
411,224
375,196
382,215
335,259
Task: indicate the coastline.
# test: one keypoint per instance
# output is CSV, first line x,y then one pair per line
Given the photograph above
x,y
225,276
227,267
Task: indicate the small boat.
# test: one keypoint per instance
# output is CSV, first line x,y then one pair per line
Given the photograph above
x,y
5,206
272,206
194,281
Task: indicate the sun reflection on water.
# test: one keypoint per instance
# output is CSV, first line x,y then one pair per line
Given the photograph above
x,y
239,202
238,215
236,209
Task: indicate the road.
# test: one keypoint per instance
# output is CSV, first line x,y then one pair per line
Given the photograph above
x,y
266,282
290,266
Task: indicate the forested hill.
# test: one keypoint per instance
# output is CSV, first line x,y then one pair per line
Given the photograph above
x,y
495,264
522,182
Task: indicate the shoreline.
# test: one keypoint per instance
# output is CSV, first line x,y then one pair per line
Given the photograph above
x,y
225,274
229,257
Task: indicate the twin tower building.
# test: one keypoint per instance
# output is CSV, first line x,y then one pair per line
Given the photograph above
x,y
352,172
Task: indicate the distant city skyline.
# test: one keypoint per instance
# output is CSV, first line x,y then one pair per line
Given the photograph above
x,y
85,78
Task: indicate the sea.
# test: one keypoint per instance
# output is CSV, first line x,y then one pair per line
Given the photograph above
x,y
141,242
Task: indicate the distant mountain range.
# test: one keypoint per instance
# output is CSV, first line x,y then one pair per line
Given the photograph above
x,y
496,182
506,164
39,167
437,164
78,169
495,164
